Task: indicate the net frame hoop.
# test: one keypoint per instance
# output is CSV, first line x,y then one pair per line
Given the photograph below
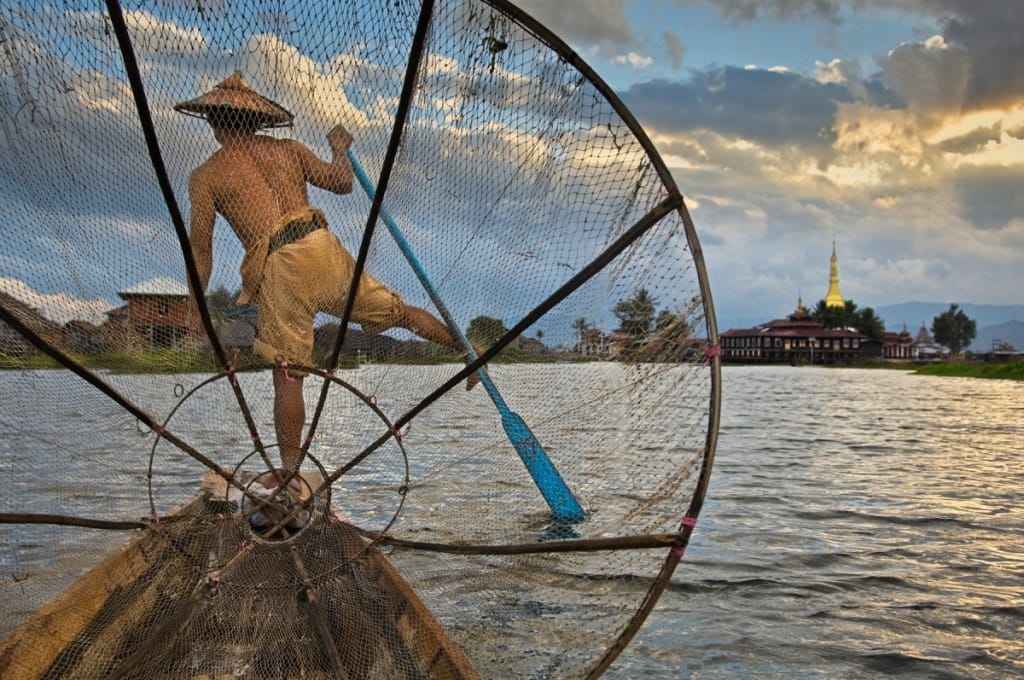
x,y
714,361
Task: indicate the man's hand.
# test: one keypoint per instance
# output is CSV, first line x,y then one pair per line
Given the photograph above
x,y
339,138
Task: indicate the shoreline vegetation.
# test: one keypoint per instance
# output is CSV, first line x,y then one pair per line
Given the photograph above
x,y
993,371
1010,370
184,361
171,361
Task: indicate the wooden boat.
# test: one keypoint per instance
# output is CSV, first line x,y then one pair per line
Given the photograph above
x,y
196,595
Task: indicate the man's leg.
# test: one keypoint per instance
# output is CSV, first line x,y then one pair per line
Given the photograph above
x,y
289,417
427,326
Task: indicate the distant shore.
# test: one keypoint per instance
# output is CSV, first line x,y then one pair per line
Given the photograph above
x,y
958,369
1007,371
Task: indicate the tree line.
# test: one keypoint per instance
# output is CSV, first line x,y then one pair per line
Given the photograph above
x,y
644,333
642,323
952,329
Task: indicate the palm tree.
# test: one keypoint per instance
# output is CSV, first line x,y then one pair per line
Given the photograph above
x,y
636,315
580,325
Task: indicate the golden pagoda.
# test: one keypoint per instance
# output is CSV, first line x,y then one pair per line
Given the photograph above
x,y
833,298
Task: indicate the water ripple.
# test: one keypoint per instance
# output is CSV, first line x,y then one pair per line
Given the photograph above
x,y
859,524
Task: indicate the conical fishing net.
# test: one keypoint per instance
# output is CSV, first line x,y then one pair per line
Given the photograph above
x,y
383,203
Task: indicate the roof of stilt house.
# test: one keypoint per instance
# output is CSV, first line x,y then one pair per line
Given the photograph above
x,y
160,286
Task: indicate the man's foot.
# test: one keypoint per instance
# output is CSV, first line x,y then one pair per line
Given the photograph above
x,y
473,379
284,501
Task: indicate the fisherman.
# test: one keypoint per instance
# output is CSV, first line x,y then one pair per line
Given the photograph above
x,y
294,266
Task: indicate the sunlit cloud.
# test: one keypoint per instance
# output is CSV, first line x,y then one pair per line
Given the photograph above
x,y
310,91
839,72
951,127
184,40
875,131
1007,151
633,59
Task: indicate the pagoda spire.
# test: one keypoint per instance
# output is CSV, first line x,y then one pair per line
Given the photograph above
x,y
834,298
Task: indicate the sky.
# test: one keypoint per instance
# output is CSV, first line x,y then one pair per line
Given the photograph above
x,y
893,128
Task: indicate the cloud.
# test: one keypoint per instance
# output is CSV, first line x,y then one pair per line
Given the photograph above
x,y
990,196
898,162
981,34
506,158
846,73
987,31
60,307
986,57
769,107
633,59
675,47
749,11
589,22
930,76
918,160
883,134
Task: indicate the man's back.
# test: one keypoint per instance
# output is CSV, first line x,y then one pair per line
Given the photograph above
x,y
258,184
252,181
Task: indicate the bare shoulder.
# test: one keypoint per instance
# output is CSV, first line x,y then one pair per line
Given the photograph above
x,y
202,176
210,167
293,147
282,152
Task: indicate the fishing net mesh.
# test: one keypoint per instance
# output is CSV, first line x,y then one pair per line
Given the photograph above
x,y
518,202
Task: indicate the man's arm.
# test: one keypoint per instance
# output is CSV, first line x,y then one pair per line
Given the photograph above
x,y
203,214
335,176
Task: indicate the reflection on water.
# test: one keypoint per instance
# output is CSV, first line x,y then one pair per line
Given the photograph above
x,y
859,523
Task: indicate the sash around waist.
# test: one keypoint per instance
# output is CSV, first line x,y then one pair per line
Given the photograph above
x,y
291,227
296,231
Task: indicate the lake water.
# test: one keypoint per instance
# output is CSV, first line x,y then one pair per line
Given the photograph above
x,y
860,523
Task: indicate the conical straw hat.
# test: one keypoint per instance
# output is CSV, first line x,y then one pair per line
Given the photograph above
x,y
234,94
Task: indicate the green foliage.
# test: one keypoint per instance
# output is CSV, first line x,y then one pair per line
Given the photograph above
x,y
484,331
869,323
27,362
636,314
953,329
161,361
494,44
664,320
831,317
864,321
1008,371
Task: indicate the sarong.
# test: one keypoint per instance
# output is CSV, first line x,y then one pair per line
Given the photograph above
x,y
302,278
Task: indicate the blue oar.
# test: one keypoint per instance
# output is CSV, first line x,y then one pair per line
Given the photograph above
x,y
545,476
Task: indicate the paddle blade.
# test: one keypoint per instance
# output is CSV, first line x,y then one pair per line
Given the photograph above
x,y
545,476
